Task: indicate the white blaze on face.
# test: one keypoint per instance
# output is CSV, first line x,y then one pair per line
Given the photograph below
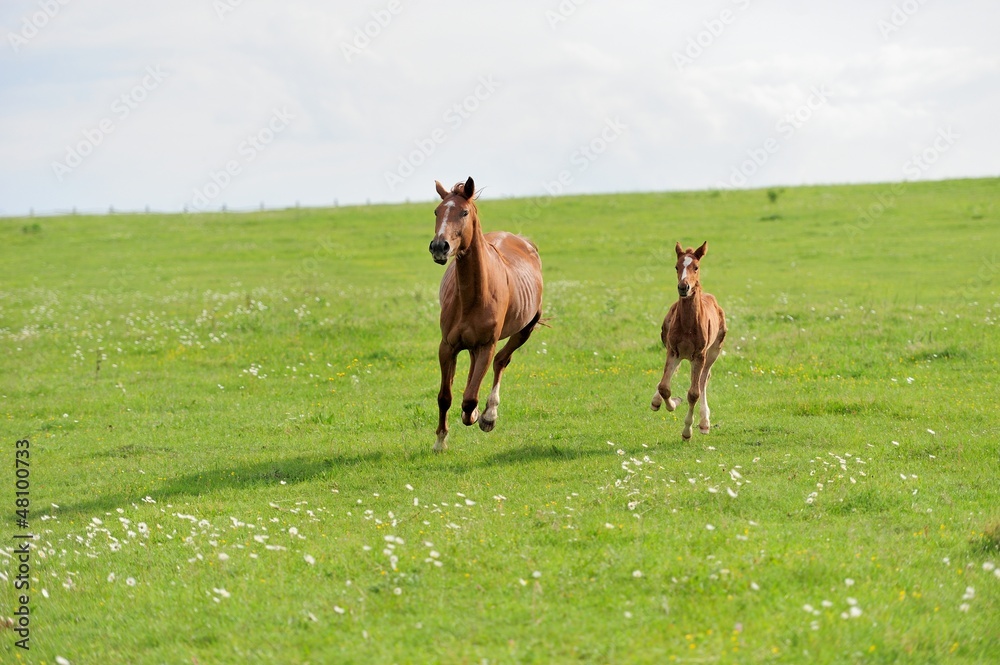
x,y
448,206
684,273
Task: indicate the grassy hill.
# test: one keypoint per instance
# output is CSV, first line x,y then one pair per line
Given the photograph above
x,y
231,418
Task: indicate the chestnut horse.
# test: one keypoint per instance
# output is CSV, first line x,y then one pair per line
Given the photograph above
x,y
491,291
693,330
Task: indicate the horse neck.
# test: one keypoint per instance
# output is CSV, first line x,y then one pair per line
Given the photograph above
x,y
472,269
689,310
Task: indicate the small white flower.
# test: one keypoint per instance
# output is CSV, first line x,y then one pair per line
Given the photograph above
x,y
111,577
970,593
223,556
310,559
537,574
61,661
628,615
130,581
849,582
755,586
710,527
398,591
636,573
222,592
988,566
338,609
964,607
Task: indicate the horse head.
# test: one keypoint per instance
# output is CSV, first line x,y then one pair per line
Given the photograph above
x,y
688,281
456,219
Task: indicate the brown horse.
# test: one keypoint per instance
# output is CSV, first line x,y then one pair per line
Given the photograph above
x,y
693,330
491,291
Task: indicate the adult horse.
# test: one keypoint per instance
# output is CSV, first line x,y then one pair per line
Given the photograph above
x,y
491,291
693,330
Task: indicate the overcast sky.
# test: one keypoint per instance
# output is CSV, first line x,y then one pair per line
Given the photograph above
x,y
204,103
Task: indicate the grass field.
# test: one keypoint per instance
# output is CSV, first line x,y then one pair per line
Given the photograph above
x,y
231,419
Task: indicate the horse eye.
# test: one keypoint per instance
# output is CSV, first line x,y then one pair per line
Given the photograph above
x,y
465,213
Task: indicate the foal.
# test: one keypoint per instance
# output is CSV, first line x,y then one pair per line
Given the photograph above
x,y
491,291
693,330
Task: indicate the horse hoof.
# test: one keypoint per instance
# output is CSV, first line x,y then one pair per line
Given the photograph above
x,y
704,430
441,444
686,435
673,403
469,419
487,425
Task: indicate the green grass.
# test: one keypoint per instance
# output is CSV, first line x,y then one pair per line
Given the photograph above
x,y
263,386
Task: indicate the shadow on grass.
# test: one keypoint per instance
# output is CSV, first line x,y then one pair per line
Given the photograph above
x,y
541,452
240,477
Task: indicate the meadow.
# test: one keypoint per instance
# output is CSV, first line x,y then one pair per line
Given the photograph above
x,y
231,418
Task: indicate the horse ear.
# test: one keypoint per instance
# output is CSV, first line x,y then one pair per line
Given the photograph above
x,y
701,251
442,192
470,188
679,250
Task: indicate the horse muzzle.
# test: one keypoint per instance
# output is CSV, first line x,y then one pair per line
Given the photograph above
x,y
440,249
683,290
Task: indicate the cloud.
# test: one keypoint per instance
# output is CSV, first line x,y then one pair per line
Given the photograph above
x,y
389,87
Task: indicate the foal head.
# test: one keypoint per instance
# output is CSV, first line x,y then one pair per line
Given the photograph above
x,y
687,269
456,218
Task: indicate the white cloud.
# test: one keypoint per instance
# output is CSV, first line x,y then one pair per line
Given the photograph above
x,y
556,88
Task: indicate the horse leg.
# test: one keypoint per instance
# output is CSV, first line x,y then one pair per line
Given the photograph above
x,y
694,392
480,363
489,418
704,425
447,356
662,393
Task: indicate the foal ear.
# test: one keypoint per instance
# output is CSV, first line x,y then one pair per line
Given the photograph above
x,y
470,189
701,251
679,250
442,192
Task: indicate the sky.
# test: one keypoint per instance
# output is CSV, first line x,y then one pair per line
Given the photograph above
x,y
200,104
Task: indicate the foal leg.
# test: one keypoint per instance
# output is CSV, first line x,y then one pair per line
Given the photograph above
x,y
704,425
662,393
447,357
478,366
694,392
489,418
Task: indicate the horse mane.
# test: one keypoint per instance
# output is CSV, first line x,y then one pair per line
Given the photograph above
x,y
459,190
